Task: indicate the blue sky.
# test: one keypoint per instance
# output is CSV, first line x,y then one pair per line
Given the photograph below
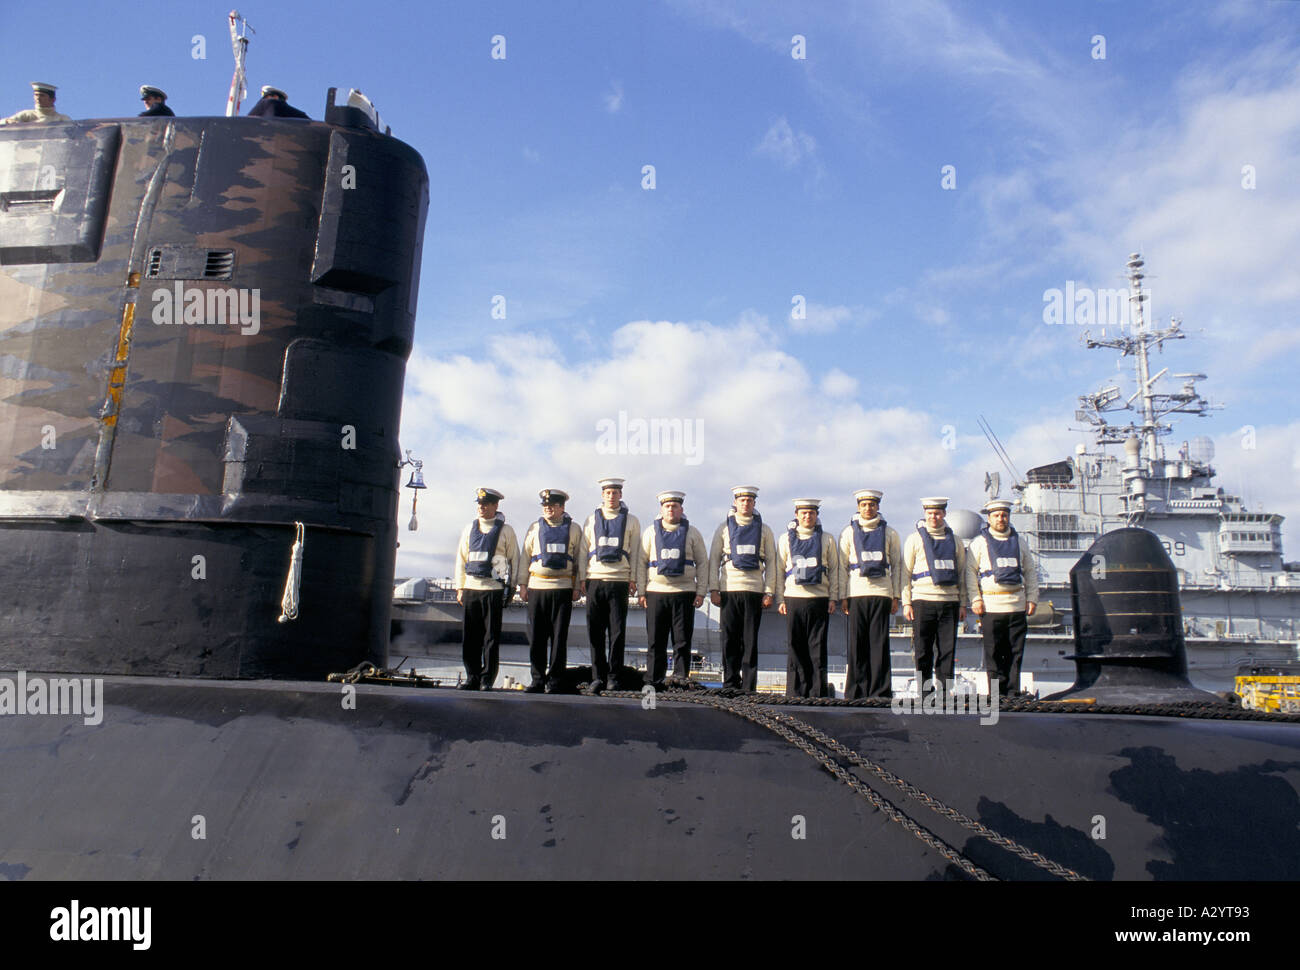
x,y
779,177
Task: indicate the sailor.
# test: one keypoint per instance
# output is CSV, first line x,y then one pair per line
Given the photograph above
x,y
872,557
672,574
1004,594
742,572
43,94
487,561
275,104
935,593
613,537
557,555
155,102
807,558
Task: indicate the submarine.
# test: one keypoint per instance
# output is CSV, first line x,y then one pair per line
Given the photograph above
x,y
198,499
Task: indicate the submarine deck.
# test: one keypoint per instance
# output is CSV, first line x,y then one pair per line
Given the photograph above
x,y
289,780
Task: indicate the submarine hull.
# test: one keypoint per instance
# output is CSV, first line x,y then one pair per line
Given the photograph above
x,y
225,780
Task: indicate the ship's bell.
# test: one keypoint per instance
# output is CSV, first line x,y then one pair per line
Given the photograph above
x,y
417,479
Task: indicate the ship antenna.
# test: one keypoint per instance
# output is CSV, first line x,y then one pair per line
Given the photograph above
x,y
239,41
1155,406
998,450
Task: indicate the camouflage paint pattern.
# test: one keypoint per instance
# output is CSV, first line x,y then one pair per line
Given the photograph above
x,y
134,437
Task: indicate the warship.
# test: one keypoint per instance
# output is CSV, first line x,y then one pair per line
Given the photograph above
x,y
1235,585
199,521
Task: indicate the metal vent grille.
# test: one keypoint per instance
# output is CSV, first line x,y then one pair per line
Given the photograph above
x,y
155,264
219,265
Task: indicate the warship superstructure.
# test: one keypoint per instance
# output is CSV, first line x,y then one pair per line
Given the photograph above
x,y
1234,582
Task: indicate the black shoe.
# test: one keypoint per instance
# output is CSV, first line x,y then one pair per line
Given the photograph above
x,y
485,685
471,684
536,687
552,688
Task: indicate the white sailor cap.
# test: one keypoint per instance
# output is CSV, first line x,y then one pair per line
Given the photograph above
x,y
997,505
865,493
605,483
149,91
485,495
807,503
553,496
739,490
671,496
273,92
40,87
935,502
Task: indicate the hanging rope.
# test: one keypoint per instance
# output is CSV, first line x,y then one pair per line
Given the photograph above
x,y
289,601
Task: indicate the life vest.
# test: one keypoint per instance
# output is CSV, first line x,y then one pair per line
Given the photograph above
x,y
553,544
805,558
1004,555
940,556
482,547
670,548
870,549
744,542
608,534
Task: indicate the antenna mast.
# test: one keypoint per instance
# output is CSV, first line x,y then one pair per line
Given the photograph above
x,y
1154,406
238,40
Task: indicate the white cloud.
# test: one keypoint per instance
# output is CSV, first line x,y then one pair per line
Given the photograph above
x,y
613,98
522,417
787,147
839,384
819,318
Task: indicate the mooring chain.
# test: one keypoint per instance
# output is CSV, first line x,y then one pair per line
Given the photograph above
x,y
891,811
853,757
856,759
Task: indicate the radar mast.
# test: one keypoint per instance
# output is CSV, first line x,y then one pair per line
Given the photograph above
x,y
1152,405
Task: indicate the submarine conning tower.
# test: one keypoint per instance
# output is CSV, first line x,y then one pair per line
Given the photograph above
x,y
204,327
1128,625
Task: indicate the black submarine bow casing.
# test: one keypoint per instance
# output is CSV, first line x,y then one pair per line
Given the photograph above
x,y
152,466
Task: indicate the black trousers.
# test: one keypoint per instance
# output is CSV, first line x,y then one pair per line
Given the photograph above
x,y
806,624
549,611
1004,647
669,613
606,617
869,673
934,640
740,618
481,633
